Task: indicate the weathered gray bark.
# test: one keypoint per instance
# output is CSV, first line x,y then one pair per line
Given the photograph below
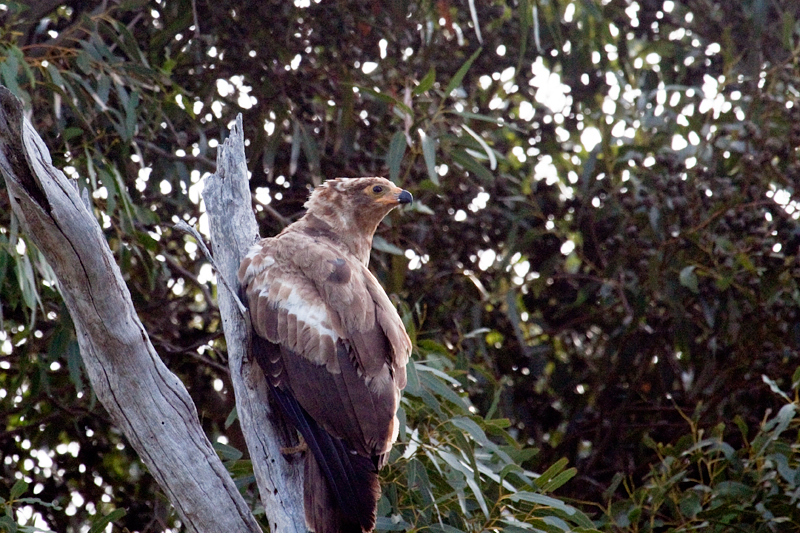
x,y
145,400
233,230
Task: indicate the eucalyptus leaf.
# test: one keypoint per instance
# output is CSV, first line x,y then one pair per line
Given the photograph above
x,y
688,279
8,524
19,488
379,243
101,523
456,80
394,158
387,98
429,153
425,83
489,152
226,452
541,499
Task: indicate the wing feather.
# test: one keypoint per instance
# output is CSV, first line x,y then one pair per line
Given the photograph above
x,y
345,348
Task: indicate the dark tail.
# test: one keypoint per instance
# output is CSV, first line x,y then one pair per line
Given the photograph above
x,y
340,488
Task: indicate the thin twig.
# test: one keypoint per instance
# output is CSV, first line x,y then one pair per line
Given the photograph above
x,y
197,34
186,228
206,162
184,272
192,352
277,216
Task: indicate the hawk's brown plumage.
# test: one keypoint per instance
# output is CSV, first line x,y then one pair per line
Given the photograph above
x,y
332,345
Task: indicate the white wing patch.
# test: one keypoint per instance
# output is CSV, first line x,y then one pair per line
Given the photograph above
x,y
315,316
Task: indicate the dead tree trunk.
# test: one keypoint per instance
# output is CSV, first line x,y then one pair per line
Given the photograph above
x,y
233,230
145,400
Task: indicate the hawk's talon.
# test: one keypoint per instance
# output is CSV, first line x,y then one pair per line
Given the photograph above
x,y
291,450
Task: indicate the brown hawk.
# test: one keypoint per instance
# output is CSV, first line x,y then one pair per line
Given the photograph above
x,y
332,345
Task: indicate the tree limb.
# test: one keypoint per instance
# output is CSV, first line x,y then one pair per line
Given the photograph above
x,y
233,230
144,399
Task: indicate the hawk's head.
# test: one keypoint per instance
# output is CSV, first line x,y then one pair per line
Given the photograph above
x,y
356,204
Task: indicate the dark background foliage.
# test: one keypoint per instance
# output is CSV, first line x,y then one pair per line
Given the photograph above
x,y
589,264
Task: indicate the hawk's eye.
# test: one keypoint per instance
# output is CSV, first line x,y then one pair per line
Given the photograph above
x,y
377,189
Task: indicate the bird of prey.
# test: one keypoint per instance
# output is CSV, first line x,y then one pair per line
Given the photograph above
x,y
332,345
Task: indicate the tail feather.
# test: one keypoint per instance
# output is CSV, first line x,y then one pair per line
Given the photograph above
x,y
323,514
341,488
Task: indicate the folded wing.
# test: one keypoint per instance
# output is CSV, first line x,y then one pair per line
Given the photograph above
x,y
332,345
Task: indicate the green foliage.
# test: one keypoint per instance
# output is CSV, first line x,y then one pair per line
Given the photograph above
x,y
708,482
604,234
8,521
449,473
452,470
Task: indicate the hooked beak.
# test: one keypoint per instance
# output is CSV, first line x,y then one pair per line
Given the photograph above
x,y
398,196
404,197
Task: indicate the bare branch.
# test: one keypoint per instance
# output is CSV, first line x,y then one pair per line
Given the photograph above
x,y
233,230
183,226
197,159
